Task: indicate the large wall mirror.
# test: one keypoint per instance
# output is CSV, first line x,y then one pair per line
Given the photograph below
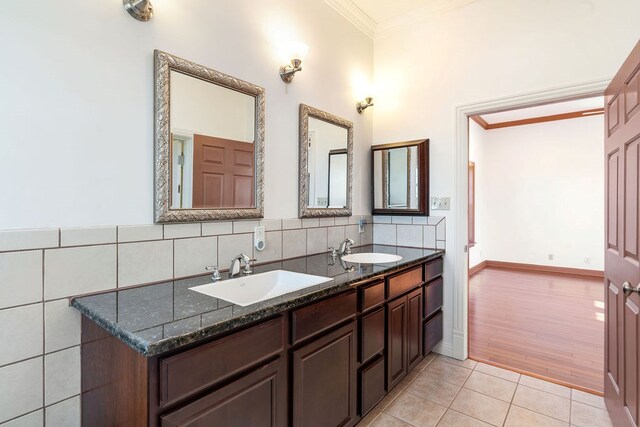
x,y
401,178
326,164
209,149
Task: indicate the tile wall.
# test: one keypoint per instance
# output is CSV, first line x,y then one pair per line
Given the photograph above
x,y
417,231
40,269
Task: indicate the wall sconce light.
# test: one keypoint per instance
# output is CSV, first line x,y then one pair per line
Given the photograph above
x,y
363,105
139,9
298,52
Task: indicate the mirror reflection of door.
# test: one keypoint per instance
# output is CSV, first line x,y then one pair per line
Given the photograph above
x,y
212,147
326,165
337,178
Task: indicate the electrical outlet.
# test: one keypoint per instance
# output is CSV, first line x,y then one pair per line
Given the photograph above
x,y
550,257
440,203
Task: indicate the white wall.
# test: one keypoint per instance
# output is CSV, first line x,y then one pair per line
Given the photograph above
x,y
486,50
76,117
540,191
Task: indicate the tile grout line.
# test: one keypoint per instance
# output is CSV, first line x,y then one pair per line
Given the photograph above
x,y
44,417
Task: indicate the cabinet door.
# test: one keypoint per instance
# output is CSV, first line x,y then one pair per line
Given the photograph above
x,y
414,328
256,399
396,341
325,381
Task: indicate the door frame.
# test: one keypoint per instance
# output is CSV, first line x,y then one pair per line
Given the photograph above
x,y
459,231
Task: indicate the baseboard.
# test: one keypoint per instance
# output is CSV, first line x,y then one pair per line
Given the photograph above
x,y
445,349
535,267
476,268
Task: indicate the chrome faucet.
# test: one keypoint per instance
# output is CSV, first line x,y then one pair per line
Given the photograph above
x,y
345,247
234,269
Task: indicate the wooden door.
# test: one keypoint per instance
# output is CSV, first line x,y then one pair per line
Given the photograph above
x,y
223,173
396,341
622,261
325,381
256,399
414,328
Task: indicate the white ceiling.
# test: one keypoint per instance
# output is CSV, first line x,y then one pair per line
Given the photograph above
x,y
545,110
386,10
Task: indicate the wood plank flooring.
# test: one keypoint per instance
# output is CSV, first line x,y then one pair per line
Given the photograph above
x,y
548,325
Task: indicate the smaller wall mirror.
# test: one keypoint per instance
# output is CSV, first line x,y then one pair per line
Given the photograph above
x,y
326,164
400,174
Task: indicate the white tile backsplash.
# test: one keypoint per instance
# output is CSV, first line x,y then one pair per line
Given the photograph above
x,y
217,228
20,278
271,224
310,222
335,235
80,270
429,236
65,413
316,240
20,333
17,240
233,245
384,234
409,235
244,226
21,388
87,236
61,325
273,247
294,243
326,222
177,231
61,375
33,419
341,220
401,220
191,256
291,223
139,233
145,262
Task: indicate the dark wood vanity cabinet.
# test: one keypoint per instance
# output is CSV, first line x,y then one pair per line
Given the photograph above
x,y
326,363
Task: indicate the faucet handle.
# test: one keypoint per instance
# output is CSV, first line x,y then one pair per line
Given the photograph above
x,y
216,273
247,266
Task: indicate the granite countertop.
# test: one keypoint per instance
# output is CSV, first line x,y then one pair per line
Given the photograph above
x,y
156,318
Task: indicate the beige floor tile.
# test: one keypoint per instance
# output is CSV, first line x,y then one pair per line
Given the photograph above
x,y
542,402
428,387
416,410
456,419
497,372
491,386
448,373
546,386
425,362
588,398
588,416
390,397
481,407
370,417
385,420
520,417
408,380
467,363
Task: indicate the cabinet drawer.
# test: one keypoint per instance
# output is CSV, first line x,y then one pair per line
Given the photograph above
x,y
371,385
193,370
403,282
371,295
263,391
371,334
433,297
432,332
315,318
433,269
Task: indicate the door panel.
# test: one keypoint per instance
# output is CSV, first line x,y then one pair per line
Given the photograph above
x,y
396,341
622,249
414,328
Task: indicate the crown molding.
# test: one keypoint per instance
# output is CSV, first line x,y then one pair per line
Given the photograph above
x,y
431,9
355,15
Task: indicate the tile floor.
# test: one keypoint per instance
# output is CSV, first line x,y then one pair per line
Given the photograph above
x,y
450,393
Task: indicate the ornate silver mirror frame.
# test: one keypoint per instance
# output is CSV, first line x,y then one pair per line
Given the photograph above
x,y
303,196
163,64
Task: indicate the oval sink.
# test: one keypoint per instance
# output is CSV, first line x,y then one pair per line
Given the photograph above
x,y
247,290
371,258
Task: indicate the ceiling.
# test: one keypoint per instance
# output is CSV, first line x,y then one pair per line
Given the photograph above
x,y
385,10
545,110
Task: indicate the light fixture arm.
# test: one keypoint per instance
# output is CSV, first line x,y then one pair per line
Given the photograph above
x,y
287,72
363,105
142,10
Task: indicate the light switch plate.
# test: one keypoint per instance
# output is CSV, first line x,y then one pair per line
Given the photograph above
x,y
440,203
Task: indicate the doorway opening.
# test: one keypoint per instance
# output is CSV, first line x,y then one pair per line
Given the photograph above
x,y
535,235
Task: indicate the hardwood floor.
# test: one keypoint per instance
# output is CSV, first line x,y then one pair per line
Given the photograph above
x,y
548,325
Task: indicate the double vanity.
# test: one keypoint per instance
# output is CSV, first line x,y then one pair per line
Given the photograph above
x,y
170,354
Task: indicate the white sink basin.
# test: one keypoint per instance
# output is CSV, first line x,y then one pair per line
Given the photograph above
x,y
247,290
371,258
